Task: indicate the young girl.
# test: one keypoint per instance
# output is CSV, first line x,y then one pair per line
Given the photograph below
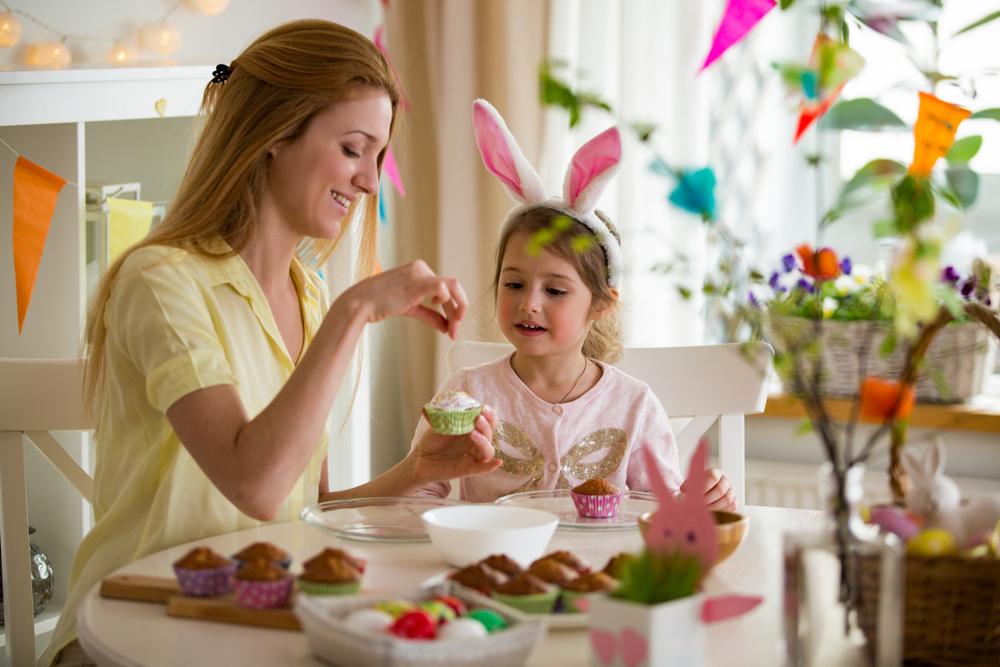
x,y
565,413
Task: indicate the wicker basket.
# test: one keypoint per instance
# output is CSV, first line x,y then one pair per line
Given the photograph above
x,y
951,610
956,366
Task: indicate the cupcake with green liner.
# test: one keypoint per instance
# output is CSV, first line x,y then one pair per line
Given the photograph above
x,y
453,412
330,576
527,593
576,592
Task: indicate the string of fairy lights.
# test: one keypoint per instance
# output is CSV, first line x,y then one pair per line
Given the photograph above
x,y
159,36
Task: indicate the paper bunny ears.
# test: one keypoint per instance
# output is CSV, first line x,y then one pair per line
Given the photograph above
x,y
590,171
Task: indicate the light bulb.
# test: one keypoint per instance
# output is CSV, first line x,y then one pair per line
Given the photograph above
x,y
208,7
50,54
10,30
162,38
121,52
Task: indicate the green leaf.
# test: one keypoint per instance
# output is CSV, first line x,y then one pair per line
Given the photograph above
x,y
581,243
952,300
964,149
684,292
804,427
888,346
861,114
983,21
965,184
875,173
883,229
785,4
991,114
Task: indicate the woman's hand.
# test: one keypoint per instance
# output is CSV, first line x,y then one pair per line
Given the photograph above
x,y
402,291
439,458
719,492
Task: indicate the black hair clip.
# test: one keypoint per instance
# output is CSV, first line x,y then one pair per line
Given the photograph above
x,y
221,73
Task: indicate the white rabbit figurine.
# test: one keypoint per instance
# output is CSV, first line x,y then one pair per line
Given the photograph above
x,y
937,498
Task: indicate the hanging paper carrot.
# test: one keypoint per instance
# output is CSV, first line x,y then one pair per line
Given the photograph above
x,y
934,132
878,397
738,19
35,194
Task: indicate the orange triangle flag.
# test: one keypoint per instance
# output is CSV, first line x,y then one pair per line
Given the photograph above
x,y
934,132
35,193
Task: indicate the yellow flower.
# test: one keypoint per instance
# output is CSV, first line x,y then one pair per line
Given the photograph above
x,y
912,278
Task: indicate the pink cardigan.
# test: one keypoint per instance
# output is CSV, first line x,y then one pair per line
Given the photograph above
x,y
547,446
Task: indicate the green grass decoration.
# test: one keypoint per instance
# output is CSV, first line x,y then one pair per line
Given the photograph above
x,y
655,578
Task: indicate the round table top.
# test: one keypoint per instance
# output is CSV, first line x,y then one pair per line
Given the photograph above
x,y
124,633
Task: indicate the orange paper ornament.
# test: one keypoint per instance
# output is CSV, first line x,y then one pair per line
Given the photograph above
x,y
934,132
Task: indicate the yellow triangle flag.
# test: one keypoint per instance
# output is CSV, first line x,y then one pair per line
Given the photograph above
x,y
128,223
934,132
35,194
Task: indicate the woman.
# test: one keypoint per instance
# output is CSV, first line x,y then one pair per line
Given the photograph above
x,y
214,355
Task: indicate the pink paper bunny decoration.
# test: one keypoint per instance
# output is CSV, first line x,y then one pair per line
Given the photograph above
x,y
686,526
589,173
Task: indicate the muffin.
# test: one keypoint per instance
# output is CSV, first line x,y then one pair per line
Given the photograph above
x,y
575,592
264,550
329,575
358,563
570,559
527,593
503,563
614,567
596,498
453,412
482,578
203,573
262,584
552,571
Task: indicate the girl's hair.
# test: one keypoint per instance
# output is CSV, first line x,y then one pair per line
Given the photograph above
x,y
605,339
276,87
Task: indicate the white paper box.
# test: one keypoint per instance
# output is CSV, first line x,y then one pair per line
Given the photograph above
x,y
628,634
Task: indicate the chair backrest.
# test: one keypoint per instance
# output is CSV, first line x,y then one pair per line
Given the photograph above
x,y
706,383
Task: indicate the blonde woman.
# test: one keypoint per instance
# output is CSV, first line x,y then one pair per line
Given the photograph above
x,y
214,354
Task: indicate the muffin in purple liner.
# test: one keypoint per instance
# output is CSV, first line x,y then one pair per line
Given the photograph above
x,y
596,498
265,549
205,573
262,584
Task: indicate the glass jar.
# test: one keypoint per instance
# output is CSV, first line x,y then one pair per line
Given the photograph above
x,y
843,584
42,579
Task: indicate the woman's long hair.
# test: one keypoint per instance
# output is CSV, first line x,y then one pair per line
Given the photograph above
x,y
276,87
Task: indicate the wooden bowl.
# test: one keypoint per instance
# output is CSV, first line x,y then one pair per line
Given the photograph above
x,y
730,527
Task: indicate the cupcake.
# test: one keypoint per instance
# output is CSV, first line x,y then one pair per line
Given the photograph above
x,y
203,572
503,563
453,412
552,571
596,498
262,584
569,559
482,578
615,564
527,593
339,554
330,575
264,550
578,589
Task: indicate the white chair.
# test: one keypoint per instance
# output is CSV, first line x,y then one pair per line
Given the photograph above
x,y
36,396
706,383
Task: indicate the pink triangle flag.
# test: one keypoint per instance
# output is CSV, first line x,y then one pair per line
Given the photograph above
x,y
380,43
738,19
728,606
391,170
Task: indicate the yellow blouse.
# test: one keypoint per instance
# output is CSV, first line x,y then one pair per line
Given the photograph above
x,y
178,321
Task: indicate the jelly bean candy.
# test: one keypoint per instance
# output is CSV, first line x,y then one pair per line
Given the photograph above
x,y
457,605
395,607
491,620
441,612
417,624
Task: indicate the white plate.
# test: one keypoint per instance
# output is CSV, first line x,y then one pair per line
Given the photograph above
x,y
556,621
375,519
558,501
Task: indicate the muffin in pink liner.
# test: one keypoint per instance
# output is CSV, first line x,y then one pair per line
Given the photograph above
x,y
596,498
262,584
204,573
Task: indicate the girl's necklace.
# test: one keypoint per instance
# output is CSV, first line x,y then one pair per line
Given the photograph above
x,y
586,363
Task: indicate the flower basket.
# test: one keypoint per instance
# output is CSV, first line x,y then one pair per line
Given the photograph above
x,y
956,365
951,610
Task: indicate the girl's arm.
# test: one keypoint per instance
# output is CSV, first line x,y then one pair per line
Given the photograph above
x,y
255,462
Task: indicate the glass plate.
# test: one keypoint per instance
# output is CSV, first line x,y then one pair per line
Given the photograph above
x,y
375,519
558,501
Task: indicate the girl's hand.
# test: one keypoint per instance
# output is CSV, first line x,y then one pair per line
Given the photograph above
x,y
719,492
402,291
439,458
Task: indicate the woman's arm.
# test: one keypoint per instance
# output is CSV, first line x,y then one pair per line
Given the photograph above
x,y
255,462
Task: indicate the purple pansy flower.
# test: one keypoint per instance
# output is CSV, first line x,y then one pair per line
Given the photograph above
x,y
788,263
846,266
753,300
950,276
969,286
773,280
805,285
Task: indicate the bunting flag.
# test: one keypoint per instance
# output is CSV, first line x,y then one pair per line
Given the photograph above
x,y
391,170
381,47
35,194
831,65
128,223
738,19
934,132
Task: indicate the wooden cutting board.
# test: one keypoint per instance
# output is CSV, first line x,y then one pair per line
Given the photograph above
x,y
164,590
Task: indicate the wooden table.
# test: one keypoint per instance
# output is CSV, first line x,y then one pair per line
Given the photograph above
x,y
120,633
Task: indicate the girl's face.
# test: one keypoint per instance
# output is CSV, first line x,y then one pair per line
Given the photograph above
x,y
314,179
543,306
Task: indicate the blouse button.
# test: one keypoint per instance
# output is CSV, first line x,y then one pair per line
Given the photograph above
x,y
553,467
557,409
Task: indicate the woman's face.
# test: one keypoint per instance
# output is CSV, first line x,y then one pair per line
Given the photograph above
x,y
313,180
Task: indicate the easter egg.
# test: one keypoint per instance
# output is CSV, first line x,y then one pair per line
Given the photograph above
x,y
395,607
369,620
457,605
462,628
441,612
932,542
416,624
491,620
895,520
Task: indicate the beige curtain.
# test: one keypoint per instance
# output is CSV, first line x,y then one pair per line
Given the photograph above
x,y
448,53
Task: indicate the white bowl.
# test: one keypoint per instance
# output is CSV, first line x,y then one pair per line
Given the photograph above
x,y
464,535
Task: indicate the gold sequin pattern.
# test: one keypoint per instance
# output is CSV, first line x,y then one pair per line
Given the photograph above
x,y
533,462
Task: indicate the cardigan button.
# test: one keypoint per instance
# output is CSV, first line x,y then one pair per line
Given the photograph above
x,y
553,467
557,409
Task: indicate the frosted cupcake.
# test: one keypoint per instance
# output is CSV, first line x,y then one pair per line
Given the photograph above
x,y
453,412
596,498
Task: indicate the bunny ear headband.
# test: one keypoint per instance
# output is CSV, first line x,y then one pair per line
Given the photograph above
x,y
589,172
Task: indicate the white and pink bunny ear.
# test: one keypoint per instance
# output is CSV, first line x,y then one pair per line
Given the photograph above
x,y
591,169
503,157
